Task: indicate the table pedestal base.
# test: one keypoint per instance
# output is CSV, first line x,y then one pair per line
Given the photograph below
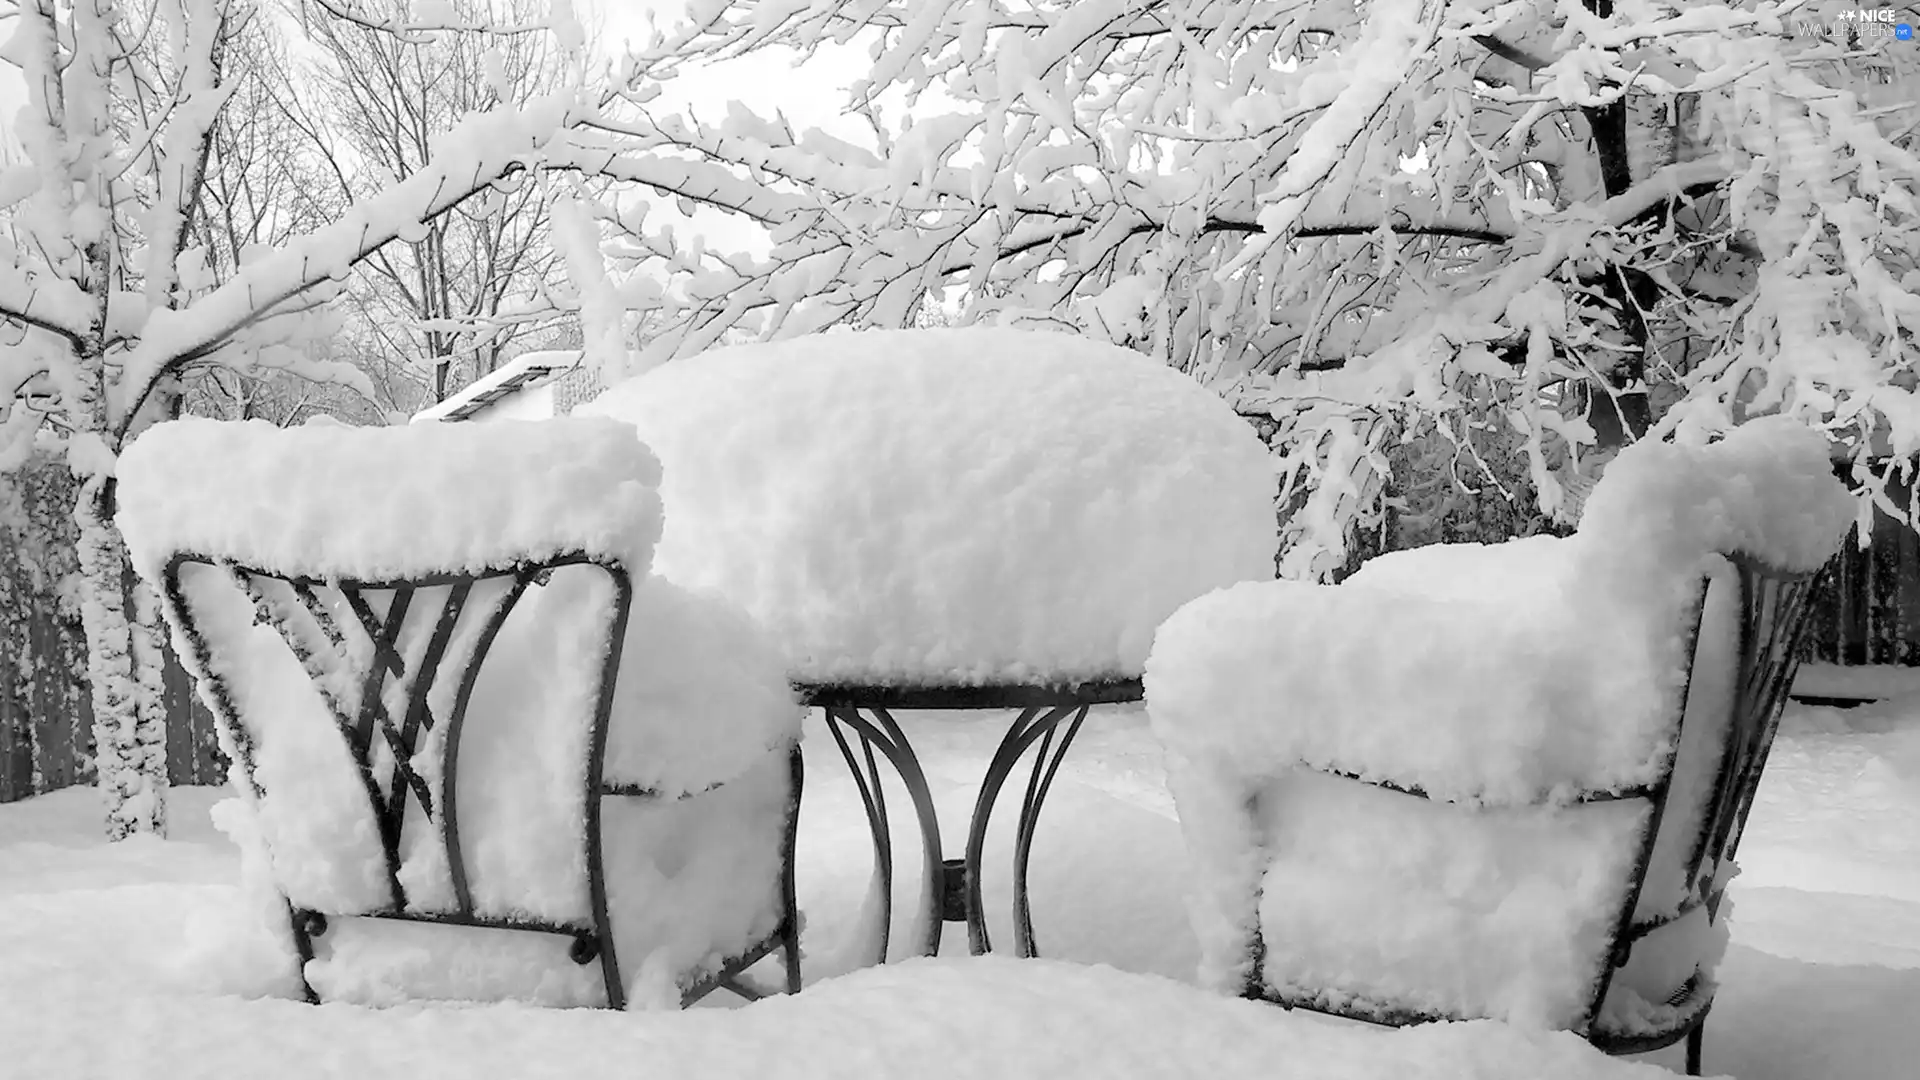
x,y
951,888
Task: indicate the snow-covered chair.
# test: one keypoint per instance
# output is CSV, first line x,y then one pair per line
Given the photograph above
x,y
1509,780
453,694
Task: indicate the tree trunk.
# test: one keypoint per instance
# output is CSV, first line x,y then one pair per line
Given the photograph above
x,y
129,719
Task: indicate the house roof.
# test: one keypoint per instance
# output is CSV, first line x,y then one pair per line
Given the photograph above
x,y
520,373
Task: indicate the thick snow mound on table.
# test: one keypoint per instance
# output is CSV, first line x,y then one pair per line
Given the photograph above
x,y
382,503
951,506
1503,680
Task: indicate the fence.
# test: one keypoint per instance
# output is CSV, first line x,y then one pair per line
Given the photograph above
x,y
46,715
1866,603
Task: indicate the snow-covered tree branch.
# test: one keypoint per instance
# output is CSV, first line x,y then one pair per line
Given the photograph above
x,y
132,263
1372,221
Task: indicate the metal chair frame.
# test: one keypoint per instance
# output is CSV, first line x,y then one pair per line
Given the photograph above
x,y
1772,621
950,888
593,935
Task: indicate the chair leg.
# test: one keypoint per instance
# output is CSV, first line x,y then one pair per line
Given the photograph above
x,y
305,926
790,952
789,888
1695,1042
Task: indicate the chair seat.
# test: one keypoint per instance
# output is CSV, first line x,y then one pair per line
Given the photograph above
x,y
691,883
1503,913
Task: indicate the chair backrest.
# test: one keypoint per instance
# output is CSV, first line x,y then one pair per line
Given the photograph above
x,y
392,680
1746,634
1773,622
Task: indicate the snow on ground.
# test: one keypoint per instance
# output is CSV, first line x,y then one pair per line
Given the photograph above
x,y
119,960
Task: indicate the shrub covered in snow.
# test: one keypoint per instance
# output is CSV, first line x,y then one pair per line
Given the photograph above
x,y
1504,681
951,505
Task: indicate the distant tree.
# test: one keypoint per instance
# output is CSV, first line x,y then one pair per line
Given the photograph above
x,y
457,296
109,308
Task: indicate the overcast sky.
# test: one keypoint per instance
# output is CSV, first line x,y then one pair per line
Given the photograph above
x,y
809,97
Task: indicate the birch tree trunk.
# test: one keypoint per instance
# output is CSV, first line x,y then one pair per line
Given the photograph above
x,y
129,717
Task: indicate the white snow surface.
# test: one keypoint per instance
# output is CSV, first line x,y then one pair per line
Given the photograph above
x,y
1437,907
380,503
1503,680
137,960
951,506
702,696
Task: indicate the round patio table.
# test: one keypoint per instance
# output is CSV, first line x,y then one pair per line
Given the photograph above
x,y
947,520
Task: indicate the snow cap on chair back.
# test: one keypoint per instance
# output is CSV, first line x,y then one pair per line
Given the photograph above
x,y
1662,510
1766,490
388,502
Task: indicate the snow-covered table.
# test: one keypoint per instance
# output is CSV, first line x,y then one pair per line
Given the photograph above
x,y
952,520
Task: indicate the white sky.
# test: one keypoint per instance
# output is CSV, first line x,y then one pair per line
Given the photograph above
x,y
768,83
809,97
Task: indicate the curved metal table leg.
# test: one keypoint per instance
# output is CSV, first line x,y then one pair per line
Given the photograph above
x,y
1030,727
883,732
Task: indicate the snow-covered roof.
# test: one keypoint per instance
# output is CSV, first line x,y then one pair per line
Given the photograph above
x,y
520,373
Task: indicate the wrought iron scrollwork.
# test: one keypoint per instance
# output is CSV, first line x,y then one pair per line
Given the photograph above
x,y
480,604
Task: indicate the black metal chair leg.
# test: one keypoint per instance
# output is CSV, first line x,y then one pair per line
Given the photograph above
x,y
789,885
303,948
1696,1040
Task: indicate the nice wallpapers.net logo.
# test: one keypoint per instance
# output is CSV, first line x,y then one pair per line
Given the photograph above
x,y
1856,25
